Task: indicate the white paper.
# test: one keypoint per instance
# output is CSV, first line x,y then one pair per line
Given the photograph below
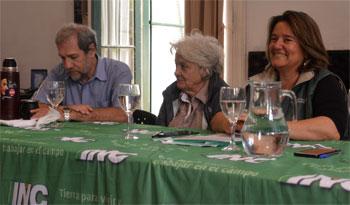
x,y
218,137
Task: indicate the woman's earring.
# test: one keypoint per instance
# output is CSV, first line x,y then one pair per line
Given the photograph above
x,y
306,62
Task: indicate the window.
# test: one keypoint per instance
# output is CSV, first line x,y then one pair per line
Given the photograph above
x,y
139,33
167,26
117,31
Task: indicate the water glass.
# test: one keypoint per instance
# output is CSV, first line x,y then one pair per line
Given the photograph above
x,y
129,99
55,95
55,92
232,103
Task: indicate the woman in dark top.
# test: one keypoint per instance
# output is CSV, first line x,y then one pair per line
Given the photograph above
x,y
193,99
297,57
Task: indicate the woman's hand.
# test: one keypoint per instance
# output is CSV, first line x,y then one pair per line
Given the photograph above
x,y
220,123
242,118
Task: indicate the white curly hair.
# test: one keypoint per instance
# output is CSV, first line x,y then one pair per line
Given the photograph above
x,y
204,51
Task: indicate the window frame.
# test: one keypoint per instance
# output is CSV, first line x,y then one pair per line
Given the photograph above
x,y
142,72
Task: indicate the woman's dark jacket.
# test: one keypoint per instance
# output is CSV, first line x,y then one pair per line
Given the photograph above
x,y
172,93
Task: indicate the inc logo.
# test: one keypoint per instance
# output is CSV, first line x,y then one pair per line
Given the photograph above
x,y
113,156
29,194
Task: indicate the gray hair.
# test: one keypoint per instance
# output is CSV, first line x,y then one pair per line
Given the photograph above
x,y
205,51
85,35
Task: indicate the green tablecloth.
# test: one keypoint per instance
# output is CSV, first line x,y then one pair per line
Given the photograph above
x,y
39,167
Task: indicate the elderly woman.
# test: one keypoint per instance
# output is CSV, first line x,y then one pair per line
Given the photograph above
x,y
193,99
298,58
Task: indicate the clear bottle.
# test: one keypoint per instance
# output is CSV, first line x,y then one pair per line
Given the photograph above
x,y
10,90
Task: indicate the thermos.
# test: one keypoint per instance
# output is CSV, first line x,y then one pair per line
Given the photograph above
x,y
10,90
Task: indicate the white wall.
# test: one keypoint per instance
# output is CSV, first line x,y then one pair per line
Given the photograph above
x,y
28,28
332,17
27,32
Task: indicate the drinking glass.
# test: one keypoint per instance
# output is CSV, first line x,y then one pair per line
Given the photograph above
x,y
55,95
232,103
129,99
55,92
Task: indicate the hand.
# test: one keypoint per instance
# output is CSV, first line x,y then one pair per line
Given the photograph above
x,y
39,112
228,128
83,109
242,118
220,123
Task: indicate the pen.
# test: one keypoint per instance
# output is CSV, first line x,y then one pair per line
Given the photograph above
x,y
322,156
174,133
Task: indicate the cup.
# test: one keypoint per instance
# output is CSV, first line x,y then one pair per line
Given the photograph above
x,y
26,106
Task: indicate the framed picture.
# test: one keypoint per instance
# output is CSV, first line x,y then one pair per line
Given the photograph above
x,y
37,77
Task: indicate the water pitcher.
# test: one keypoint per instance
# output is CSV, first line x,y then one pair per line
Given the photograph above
x,y
265,131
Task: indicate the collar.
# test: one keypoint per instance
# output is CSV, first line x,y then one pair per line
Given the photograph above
x,y
100,73
305,76
270,74
202,95
184,97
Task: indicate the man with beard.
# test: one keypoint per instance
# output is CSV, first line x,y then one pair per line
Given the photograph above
x,y
91,82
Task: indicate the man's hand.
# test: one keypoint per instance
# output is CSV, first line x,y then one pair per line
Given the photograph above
x,y
40,112
83,109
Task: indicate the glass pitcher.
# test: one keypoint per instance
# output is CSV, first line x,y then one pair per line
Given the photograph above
x,y
265,131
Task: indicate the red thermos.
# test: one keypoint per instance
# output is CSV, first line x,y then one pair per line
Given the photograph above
x,y
10,90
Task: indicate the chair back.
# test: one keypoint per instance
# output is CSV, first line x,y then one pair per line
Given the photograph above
x,y
144,117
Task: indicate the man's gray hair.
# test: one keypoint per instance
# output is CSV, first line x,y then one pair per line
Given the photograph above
x,y
85,35
205,51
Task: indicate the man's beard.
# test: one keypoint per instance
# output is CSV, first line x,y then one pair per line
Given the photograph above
x,y
75,75
80,76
